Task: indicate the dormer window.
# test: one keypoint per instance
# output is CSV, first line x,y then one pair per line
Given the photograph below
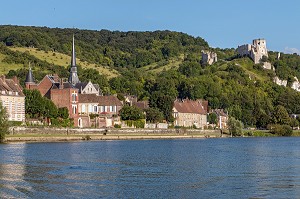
x,y
3,92
17,93
9,92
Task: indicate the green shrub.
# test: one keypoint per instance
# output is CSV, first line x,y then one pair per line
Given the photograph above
x,y
117,126
281,130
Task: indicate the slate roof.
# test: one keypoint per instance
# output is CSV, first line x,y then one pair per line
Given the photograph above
x,y
81,85
190,106
29,77
66,85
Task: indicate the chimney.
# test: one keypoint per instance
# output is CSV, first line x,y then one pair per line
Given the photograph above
x,y
16,80
3,78
61,84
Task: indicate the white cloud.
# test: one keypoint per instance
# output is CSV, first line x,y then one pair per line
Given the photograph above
x,y
289,50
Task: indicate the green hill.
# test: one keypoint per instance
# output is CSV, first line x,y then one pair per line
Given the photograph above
x,y
159,66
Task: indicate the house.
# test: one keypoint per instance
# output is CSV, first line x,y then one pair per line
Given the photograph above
x,y
64,93
189,113
84,100
88,110
222,118
109,107
12,98
88,88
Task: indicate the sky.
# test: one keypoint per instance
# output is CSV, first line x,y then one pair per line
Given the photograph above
x,y
222,23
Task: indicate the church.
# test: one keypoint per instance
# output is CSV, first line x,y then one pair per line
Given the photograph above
x,y
84,100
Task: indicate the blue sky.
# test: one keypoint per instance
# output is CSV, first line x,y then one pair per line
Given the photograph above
x,y
223,23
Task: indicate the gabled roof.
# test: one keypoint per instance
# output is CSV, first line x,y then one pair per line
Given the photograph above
x,y
141,104
190,106
109,100
220,112
10,85
101,100
81,85
88,98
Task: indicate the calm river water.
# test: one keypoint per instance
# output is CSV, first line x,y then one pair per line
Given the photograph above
x,y
192,168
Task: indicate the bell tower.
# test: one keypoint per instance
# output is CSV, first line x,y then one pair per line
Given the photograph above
x,y
73,78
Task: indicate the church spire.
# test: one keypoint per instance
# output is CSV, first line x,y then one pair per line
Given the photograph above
x,y
73,78
29,76
73,60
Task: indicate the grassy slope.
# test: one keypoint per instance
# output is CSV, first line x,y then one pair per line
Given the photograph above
x,y
61,60
5,67
172,63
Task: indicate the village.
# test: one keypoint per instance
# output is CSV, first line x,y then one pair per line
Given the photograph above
x,y
89,108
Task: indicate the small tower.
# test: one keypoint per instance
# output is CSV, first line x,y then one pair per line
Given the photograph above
x,y
29,79
73,78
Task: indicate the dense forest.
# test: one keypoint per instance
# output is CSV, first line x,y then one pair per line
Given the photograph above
x,y
244,89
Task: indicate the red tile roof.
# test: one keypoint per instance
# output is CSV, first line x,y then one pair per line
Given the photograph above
x,y
190,106
10,85
101,100
141,104
88,98
109,100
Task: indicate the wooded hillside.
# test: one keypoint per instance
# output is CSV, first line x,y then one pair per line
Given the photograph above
x,y
159,66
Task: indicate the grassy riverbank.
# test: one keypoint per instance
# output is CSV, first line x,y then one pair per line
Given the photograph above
x,y
59,138
58,135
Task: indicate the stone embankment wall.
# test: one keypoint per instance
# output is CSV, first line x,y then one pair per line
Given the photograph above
x,y
74,131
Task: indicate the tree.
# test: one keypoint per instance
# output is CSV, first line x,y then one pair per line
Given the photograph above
x,y
212,118
294,123
235,127
282,130
63,113
281,116
164,103
131,113
154,115
3,123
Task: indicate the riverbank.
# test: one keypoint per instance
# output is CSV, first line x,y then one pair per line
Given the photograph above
x,y
25,134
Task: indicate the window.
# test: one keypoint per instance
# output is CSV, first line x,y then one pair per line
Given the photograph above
x,y
74,96
74,109
90,108
83,108
95,109
113,108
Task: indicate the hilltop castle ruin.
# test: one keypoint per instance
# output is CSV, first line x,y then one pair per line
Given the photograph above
x,y
209,57
256,51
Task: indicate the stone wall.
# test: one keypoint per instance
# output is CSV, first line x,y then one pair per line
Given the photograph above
x,y
113,131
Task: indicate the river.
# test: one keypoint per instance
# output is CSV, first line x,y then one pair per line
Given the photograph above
x,y
190,168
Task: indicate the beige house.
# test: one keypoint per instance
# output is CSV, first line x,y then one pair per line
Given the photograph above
x,y
222,118
189,113
12,98
98,111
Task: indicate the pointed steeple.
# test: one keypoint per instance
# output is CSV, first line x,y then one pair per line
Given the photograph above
x,y
29,76
73,60
73,78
